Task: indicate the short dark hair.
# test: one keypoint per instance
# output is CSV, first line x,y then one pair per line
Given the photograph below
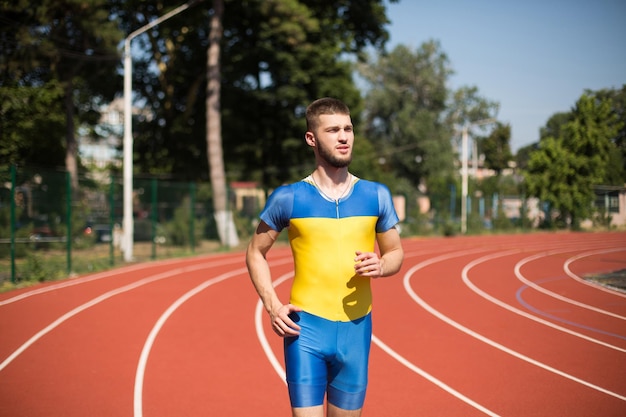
x,y
326,105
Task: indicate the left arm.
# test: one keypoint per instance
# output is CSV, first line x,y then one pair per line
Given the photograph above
x,y
370,264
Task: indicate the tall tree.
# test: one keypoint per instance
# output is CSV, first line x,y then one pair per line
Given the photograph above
x,y
411,112
405,102
223,216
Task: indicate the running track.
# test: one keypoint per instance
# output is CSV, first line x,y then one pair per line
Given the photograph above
x,y
471,326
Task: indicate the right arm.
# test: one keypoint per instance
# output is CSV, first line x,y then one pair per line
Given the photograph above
x,y
259,270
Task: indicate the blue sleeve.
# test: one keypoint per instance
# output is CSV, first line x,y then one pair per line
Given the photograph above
x,y
388,217
278,209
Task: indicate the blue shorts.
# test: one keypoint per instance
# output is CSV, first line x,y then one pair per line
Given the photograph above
x,y
328,357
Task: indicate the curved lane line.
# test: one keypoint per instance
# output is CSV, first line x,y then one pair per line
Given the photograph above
x,y
584,281
431,378
281,372
449,321
522,313
147,347
539,288
98,300
519,295
258,324
83,280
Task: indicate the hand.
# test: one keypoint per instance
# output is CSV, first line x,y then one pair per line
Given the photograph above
x,y
282,323
368,264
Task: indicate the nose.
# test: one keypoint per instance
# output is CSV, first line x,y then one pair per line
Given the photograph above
x,y
343,135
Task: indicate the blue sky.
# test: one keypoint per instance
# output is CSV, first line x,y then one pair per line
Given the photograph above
x,y
535,58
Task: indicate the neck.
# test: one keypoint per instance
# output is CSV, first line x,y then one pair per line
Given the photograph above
x,y
333,184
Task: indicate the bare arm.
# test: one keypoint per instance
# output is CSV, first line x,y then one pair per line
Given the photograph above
x,y
259,270
390,260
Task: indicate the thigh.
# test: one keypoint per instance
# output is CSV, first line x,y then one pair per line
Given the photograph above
x,y
305,360
349,371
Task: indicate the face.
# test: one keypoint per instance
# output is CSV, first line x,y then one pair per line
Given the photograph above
x,y
333,139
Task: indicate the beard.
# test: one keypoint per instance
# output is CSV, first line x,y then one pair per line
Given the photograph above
x,y
336,161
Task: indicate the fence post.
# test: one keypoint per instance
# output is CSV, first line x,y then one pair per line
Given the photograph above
x,y
13,223
111,219
153,216
192,212
452,201
68,219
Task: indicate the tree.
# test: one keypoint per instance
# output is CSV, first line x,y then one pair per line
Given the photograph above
x,y
616,169
563,170
496,148
67,44
405,100
410,113
223,216
276,57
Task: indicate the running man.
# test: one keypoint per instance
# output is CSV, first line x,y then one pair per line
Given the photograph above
x,y
334,221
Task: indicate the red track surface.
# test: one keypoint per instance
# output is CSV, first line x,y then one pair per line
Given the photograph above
x,y
499,326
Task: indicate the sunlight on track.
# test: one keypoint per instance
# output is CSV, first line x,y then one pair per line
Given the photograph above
x,y
484,339
552,294
522,313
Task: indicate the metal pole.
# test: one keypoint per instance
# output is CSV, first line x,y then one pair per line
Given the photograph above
x,y
464,180
464,173
13,222
128,224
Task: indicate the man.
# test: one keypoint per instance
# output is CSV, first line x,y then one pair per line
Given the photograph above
x,y
334,220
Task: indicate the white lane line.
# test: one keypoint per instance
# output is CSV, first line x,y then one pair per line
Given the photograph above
x,y
258,324
539,288
147,347
523,313
458,326
106,274
98,300
431,378
569,272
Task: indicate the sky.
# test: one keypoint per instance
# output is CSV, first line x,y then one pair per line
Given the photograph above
x,y
534,57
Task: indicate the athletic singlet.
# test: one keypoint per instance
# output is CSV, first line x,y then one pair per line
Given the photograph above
x,y
324,236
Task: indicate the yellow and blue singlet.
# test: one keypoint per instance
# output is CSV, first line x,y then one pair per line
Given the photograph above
x,y
324,235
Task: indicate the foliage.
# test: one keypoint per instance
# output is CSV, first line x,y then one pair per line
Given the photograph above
x,y
496,148
31,126
177,229
563,170
405,101
59,51
277,56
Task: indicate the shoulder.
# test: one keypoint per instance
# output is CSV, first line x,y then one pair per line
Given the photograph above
x,y
372,186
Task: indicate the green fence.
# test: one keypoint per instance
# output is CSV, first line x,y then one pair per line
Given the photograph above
x,y
48,230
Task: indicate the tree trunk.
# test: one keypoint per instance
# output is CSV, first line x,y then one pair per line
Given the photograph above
x,y
223,216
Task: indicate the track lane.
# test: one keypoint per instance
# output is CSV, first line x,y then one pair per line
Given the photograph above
x,y
191,368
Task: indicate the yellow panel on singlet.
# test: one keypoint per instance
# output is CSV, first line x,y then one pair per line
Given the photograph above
x,y
325,283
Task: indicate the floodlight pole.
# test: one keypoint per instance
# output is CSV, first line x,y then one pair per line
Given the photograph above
x,y
464,173
128,224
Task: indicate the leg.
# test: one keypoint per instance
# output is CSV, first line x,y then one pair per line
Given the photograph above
x,y
317,411
334,411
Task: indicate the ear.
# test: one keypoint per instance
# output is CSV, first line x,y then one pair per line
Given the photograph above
x,y
309,137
